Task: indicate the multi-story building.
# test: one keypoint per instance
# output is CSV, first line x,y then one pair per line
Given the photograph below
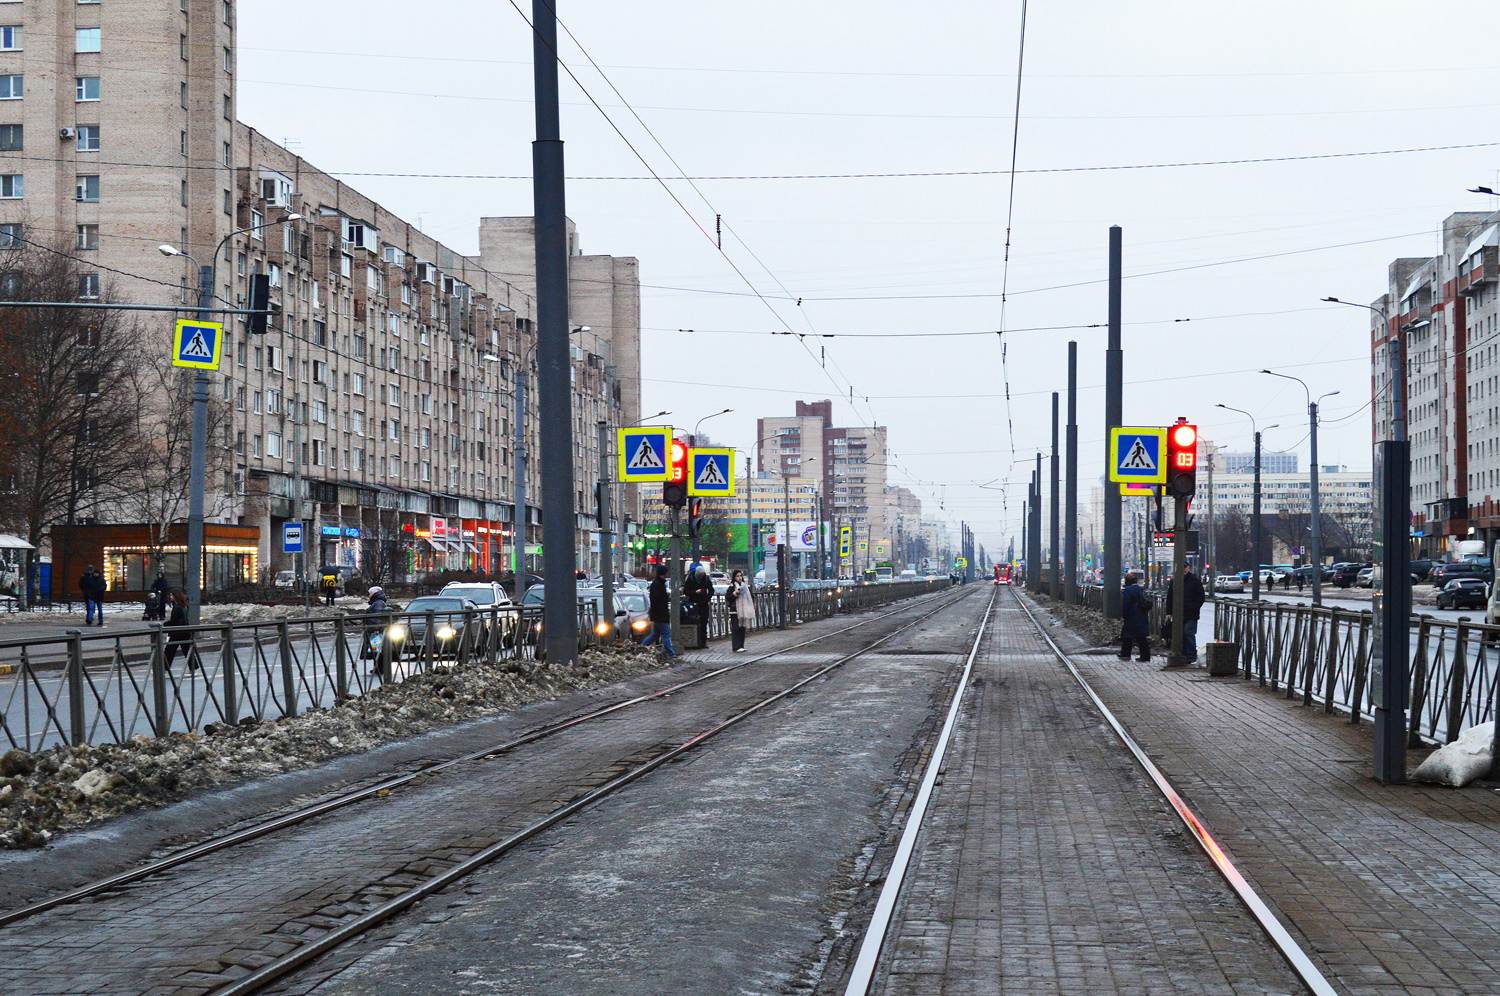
x,y
850,463
903,510
382,395
1340,493
1277,462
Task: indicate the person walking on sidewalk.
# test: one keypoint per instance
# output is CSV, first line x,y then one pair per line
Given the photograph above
x,y
700,591
92,586
741,610
181,638
1135,619
1192,606
659,612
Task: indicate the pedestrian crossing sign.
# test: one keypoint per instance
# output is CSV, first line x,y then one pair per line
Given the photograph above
x,y
643,454
197,344
1138,455
711,472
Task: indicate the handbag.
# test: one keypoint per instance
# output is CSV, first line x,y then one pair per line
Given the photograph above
x,y
1166,628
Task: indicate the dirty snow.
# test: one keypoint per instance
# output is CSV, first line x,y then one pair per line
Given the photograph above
x,y
45,792
1462,761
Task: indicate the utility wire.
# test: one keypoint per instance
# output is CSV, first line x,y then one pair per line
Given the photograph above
x,y
1010,213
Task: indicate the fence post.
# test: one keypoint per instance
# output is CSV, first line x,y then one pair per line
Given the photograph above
x,y
429,639
161,722
1275,661
1310,658
340,660
1296,651
1419,682
1460,674
228,663
1361,668
288,676
1332,662
75,687
387,650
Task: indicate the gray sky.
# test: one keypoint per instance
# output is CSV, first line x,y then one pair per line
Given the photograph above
x,y
781,88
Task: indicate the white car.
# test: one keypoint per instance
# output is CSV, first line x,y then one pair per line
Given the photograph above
x,y
482,593
1228,582
285,579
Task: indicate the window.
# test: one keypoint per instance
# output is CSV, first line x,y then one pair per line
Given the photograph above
x,y
320,333
182,45
346,264
10,38
88,189
10,185
228,155
88,236
88,285
275,357
10,236
11,138
359,383
228,202
320,412
257,221
319,452
255,446
372,278
228,109
88,87
359,423
273,402
10,87
319,372
88,138
10,284
395,395
87,40
239,352
273,445
182,95
255,358
228,60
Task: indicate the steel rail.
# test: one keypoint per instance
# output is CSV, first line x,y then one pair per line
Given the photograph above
x,y
289,962
868,958
359,795
1286,945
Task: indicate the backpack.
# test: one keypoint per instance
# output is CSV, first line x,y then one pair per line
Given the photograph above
x,y
1147,602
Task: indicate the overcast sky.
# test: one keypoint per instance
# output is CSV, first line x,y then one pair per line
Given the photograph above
x,y
778,88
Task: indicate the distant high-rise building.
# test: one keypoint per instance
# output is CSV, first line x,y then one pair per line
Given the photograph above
x,y
1271,462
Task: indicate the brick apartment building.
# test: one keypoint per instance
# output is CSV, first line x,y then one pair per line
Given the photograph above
x,y
386,377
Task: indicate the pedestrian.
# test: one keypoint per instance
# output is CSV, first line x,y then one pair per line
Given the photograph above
x,y
1300,579
1135,619
92,585
1192,606
378,610
161,590
330,585
701,590
181,638
741,602
1286,581
659,612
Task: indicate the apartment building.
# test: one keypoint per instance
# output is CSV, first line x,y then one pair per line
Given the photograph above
x,y
849,462
383,394
1271,462
1340,492
903,510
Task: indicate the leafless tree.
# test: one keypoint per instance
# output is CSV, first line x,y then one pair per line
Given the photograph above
x,y
384,552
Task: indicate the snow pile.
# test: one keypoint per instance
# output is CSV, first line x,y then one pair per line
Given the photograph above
x,y
1462,761
63,787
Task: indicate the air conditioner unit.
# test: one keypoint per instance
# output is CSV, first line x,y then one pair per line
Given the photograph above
x,y
67,133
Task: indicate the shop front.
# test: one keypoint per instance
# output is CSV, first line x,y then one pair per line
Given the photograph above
x,y
127,557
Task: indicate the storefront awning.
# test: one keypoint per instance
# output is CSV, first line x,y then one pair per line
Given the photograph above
x,y
439,547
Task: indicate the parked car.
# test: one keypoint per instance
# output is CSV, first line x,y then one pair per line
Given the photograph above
x,y
482,593
1346,574
605,624
1366,577
1463,593
1419,570
449,624
285,579
1229,582
1447,571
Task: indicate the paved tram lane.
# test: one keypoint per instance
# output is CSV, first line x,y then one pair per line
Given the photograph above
x,y
1049,864
191,929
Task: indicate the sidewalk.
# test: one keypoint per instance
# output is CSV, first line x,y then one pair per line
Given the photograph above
x,y
1048,865
1390,889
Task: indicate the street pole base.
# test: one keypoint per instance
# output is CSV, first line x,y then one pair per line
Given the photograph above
x,y
1176,663
1390,747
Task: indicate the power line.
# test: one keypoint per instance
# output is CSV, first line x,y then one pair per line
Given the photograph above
x,y
1010,213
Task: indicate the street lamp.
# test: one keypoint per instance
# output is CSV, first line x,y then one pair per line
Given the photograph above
x,y
200,420
1397,365
1312,423
1255,507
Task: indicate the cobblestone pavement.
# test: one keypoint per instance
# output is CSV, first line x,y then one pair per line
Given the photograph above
x,y
192,929
1049,864
1391,889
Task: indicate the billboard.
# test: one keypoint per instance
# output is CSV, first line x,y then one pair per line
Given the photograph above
x,y
804,537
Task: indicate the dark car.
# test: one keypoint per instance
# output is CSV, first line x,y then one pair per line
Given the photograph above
x,y
1345,575
1419,570
1486,567
408,635
1442,573
1463,593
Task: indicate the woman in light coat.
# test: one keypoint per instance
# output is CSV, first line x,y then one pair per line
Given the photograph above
x,y
742,610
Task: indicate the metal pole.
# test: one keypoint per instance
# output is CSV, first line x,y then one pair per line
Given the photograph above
x,y
554,365
783,547
1179,586
749,513
1317,547
199,458
1114,380
674,576
1392,606
1037,536
1255,527
518,511
1070,501
606,534
1054,553
1208,553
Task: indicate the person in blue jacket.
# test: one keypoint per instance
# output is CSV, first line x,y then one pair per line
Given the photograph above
x,y
1135,620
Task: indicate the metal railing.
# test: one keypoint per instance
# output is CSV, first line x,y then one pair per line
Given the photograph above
x,y
82,688
1323,655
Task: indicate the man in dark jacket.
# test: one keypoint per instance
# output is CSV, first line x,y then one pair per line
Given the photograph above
x,y
161,590
1192,605
699,590
659,611
92,586
1135,620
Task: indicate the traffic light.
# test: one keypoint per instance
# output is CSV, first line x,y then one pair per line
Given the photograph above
x,y
260,302
695,511
1182,459
674,491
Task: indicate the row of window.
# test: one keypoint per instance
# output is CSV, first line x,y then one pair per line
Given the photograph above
x,y
85,88
86,188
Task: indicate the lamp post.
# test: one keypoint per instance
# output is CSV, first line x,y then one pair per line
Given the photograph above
x,y
697,546
1255,507
200,422
1312,428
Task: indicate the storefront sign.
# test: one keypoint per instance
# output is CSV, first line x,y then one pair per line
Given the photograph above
x,y
331,531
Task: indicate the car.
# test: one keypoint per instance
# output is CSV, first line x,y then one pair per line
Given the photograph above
x,y
604,626
636,603
1366,577
482,593
1229,582
1447,571
1419,570
285,579
1346,574
1485,565
1463,593
449,626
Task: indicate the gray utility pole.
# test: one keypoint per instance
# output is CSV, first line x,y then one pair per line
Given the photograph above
x,y
518,512
1054,551
675,578
1179,589
1114,413
1314,531
1034,555
1070,491
1254,508
554,365
1210,553
784,547
1025,525
749,518
200,457
606,534
297,503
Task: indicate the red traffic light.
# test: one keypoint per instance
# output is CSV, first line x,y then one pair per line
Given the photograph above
x,y
674,491
679,461
1182,458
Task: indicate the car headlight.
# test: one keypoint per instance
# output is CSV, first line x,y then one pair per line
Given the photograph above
x,y
396,632
603,629
640,625
446,632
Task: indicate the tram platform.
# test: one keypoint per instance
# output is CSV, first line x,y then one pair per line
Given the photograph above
x,y
1050,863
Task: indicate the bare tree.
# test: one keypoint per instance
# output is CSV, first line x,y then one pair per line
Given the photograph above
x,y
1232,540
384,552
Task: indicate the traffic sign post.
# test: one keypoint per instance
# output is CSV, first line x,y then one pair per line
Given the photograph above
x,y
1137,455
643,454
711,472
291,537
197,344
